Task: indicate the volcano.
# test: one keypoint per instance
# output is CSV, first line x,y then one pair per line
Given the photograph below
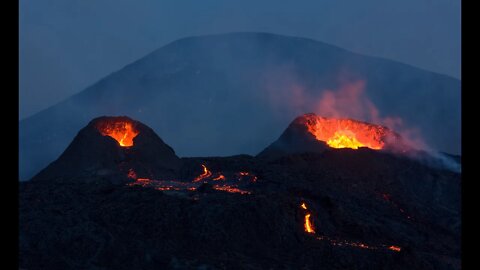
x,y
112,147
183,88
312,133
119,198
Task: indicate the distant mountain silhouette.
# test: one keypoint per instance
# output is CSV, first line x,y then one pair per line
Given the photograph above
x,y
225,94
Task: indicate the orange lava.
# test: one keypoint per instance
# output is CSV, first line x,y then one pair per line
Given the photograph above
x,y
346,243
231,189
122,131
144,182
304,206
206,173
337,242
395,248
346,133
132,174
220,177
308,224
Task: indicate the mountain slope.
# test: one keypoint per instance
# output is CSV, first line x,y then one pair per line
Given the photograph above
x,y
234,93
338,209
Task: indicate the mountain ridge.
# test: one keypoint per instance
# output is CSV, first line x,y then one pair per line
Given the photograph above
x,y
229,71
234,33
335,209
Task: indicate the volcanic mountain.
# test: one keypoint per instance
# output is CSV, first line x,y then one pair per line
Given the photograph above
x,y
200,87
112,147
312,133
338,208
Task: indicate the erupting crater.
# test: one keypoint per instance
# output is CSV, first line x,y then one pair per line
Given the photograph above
x,y
346,133
114,146
122,130
313,133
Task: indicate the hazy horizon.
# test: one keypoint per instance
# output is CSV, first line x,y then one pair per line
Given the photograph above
x,y
66,46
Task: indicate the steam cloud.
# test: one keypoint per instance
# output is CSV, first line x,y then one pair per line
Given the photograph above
x,y
350,100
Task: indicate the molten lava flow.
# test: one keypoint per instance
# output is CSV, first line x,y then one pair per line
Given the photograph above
x,y
122,131
220,177
346,133
206,173
336,242
308,224
143,182
222,183
344,139
395,248
231,189
346,243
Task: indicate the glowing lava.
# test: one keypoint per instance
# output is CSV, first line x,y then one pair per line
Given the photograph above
x,y
207,176
346,133
206,173
344,139
395,248
132,174
308,224
220,177
230,189
336,242
122,131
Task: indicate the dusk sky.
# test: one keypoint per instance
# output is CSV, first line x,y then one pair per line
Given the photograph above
x,y
66,46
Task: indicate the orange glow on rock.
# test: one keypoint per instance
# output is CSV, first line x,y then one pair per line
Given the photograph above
x,y
220,177
206,173
231,189
253,178
132,174
122,131
346,133
345,243
308,224
395,248
344,139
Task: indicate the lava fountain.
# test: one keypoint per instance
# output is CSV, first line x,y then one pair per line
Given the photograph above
x,y
123,131
347,133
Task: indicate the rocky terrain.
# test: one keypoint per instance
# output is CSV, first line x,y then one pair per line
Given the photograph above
x,y
99,207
